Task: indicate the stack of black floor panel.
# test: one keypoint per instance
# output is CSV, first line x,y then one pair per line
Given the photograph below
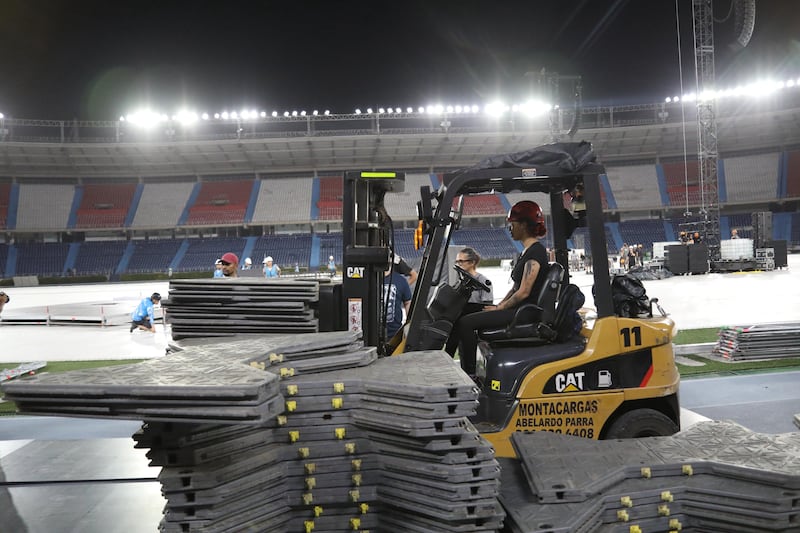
x,y
225,307
762,341
177,388
296,433
715,476
438,474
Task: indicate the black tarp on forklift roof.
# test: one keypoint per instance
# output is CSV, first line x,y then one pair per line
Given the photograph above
x,y
552,160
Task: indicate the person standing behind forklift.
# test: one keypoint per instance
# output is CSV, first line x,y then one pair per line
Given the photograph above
x,y
397,298
527,226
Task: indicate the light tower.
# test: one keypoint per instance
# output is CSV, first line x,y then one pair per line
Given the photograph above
x,y
703,19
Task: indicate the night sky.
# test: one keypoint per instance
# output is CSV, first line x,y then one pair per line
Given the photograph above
x,y
97,60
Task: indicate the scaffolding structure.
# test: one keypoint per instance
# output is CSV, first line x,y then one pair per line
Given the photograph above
x,y
703,19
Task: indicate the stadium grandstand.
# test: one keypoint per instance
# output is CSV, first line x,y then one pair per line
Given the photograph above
x,y
101,198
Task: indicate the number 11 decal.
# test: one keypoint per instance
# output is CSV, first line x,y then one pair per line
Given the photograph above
x,y
626,336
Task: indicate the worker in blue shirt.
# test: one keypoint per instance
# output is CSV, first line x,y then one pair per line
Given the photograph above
x,y
143,316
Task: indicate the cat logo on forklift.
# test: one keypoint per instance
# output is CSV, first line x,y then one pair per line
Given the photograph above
x,y
569,382
355,272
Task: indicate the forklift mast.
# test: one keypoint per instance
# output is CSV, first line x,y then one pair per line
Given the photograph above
x,y
367,249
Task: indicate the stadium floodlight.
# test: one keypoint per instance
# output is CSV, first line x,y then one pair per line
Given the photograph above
x,y
790,83
145,118
534,108
315,113
495,109
285,113
358,111
327,112
225,115
303,113
263,114
204,116
294,113
274,113
381,110
121,118
234,115
668,100
369,111
2,115
186,118
216,116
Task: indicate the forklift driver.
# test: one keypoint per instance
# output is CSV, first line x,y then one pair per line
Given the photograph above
x,y
527,226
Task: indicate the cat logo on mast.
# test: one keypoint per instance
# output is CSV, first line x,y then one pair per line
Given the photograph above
x,y
355,272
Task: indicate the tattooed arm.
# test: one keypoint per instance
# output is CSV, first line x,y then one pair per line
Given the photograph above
x,y
515,298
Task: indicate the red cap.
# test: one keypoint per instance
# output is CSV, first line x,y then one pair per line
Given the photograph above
x,y
230,258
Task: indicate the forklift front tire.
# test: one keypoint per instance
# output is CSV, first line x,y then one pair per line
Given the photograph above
x,y
641,423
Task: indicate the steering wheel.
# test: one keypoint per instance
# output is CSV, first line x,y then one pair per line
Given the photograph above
x,y
471,281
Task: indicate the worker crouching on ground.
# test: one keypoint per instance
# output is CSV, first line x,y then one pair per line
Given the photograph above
x,y
530,270
143,317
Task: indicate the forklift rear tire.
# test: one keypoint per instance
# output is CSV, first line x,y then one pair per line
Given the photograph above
x,y
641,423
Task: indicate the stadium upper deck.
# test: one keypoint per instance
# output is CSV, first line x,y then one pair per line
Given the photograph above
x,y
311,144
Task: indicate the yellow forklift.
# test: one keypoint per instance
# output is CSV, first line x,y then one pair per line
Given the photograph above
x,y
611,377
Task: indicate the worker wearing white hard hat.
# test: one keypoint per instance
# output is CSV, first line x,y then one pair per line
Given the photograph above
x,y
271,270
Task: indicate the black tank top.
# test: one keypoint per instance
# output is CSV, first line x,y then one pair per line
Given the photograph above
x,y
538,253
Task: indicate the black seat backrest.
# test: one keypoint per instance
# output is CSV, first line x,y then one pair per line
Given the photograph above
x,y
549,293
568,321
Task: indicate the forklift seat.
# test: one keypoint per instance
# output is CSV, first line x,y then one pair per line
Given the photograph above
x,y
533,320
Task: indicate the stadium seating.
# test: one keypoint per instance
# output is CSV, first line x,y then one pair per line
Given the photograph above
x,y
154,255
5,194
330,198
161,204
104,205
44,206
330,244
3,259
751,178
286,250
635,187
490,243
202,253
41,259
488,204
644,232
283,200
580,239
793,174
99,257
403,205
795,230
220,202
682,180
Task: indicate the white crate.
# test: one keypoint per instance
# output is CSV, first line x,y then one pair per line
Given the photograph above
x,y
658,248
733,249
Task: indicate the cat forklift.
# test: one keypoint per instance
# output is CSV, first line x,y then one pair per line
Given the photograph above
x,y
606,377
